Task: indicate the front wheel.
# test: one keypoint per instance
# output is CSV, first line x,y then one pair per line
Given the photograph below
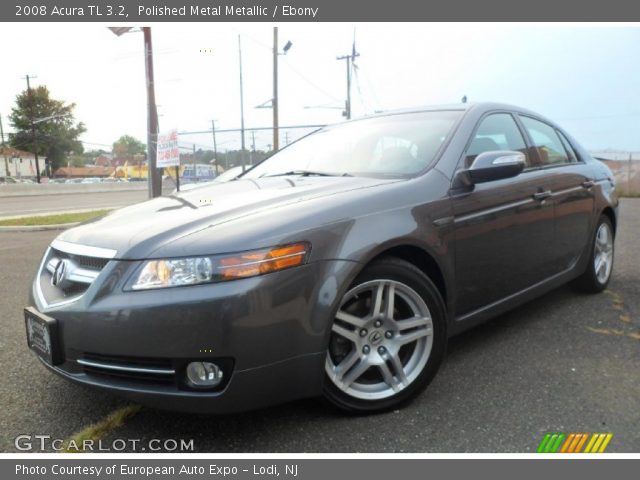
x,y
596,277
387,340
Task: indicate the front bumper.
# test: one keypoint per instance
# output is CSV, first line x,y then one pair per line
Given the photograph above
x,y
247,390
270,332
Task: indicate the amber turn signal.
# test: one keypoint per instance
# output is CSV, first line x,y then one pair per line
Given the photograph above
x,y
259,262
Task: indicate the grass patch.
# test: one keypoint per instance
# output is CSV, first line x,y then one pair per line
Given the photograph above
x,y
56,219
95,432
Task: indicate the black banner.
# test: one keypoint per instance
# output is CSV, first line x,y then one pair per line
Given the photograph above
x,y
315,469
124,11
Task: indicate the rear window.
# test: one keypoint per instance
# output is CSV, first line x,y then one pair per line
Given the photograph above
x,y
546,142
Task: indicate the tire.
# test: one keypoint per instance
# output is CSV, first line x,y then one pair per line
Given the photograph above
x,y
600,265
376,361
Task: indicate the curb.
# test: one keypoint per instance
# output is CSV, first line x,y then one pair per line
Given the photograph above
x,y
37,228
55,212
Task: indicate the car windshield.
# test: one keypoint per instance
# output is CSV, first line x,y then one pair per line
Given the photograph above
x,y
394,145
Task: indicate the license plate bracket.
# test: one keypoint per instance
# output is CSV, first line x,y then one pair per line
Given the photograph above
x,y
42,335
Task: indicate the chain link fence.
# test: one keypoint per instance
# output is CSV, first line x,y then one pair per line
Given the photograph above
x,y
626,173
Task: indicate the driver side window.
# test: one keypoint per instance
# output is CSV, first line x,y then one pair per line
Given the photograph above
x,y
497,131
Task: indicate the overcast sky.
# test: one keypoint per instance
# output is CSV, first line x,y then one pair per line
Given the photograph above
x,y
587,78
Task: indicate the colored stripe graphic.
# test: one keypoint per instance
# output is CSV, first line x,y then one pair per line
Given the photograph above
x,y
559,442
598,443
578,442
567,443
551,442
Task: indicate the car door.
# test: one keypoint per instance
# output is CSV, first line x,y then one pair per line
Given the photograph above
x,y
504,228
572,188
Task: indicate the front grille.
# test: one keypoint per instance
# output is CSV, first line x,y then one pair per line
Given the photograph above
x,y
93,263
80,270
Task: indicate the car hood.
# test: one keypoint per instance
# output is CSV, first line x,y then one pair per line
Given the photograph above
x,y
136,231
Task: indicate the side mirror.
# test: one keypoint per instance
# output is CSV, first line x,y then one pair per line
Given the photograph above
x,y
490,166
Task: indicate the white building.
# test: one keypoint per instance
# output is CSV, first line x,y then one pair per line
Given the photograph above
x,y
18,163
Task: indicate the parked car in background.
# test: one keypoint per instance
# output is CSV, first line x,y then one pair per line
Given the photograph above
x,y
230,174
226,176
91,180
339,266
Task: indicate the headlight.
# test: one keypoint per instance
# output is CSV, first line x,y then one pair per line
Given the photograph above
x,y
192,271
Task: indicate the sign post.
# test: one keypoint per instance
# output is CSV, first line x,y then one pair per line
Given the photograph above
x,y
169,153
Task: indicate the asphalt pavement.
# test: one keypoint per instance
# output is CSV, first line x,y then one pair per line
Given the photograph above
x,y
41,204
566,362
31,205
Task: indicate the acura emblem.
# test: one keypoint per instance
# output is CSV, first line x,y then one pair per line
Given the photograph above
x,y
375,338
60,274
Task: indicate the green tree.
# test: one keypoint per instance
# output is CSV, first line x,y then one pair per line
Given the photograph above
x,y
51,121
128,145
77,160
90,155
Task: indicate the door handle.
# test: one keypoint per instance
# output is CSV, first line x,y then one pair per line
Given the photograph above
x,y
542,195
588,184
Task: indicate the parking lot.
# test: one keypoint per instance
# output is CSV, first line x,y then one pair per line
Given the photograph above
x,y
566,362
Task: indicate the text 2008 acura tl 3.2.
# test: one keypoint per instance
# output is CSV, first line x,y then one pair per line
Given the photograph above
x,y
339,266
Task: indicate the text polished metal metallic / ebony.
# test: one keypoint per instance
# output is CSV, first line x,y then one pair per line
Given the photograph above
x,y
339,266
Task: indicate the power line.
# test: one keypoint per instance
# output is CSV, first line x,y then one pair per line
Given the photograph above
x,y
595,117
303,77
96,144
356,71
249,129
373,91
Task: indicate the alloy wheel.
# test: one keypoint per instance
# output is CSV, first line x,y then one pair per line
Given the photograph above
x,y
603,253
381,340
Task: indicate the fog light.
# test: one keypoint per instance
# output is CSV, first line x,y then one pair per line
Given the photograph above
x,y
204,374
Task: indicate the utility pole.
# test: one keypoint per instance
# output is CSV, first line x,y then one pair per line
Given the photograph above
x,y
34,137
154,177
241,106
274,102
4,152
215,146
629,174
253,144
349,60
286,138
195,168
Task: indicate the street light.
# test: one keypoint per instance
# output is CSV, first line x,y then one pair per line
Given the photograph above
x,y
35,132
274,103
154,177
50,117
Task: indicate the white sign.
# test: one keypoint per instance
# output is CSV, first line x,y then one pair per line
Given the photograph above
x,y
168,151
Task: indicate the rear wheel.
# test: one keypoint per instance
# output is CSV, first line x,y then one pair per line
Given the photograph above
x,y
387,340
596,277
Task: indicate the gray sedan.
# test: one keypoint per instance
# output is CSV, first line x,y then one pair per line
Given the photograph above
x,y
339,266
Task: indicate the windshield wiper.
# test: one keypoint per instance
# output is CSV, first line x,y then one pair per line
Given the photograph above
x,y
308,173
